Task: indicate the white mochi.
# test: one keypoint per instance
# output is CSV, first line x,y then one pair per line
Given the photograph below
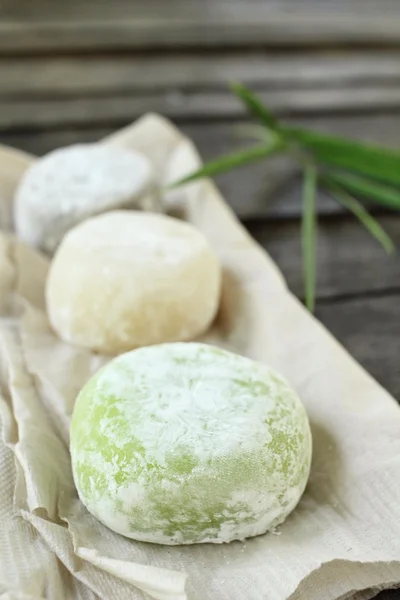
x,y
126,279
70,184
188,443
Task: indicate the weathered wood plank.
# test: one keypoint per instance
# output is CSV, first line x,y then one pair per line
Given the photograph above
x,y
74,10
182,105
349,261
54,77
265,189
370,330
190,25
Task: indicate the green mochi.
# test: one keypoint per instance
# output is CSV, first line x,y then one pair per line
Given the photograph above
x,y
187,443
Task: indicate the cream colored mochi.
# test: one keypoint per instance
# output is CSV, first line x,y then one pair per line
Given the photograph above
x,y
188,443
127,279
73,183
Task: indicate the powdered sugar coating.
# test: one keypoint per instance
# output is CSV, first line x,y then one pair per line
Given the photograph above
x,y
187,443
73,183
127,279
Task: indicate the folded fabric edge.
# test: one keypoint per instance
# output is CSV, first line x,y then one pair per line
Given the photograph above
x,y
159,583
364,576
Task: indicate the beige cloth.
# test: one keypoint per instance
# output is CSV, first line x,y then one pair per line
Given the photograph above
x,y
343,540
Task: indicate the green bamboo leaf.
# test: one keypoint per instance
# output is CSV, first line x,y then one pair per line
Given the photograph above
x,y
365,218
231,161
308,235
254,105
254,131
374,161
368,189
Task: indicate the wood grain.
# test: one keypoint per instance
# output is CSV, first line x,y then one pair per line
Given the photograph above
x,y
369,328
43,26
349,261
183,105
57,77
47,10
358,289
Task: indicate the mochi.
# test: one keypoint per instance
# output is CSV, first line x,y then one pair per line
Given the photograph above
x,y
186,443
70,184
126,279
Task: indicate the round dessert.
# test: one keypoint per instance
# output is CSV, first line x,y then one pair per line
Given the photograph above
x,y
127,279
188,443
71,184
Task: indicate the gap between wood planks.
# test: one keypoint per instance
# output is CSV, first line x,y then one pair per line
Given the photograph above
x,y
49,92
191,105
369,328
350,263
358,287
49,77
356,297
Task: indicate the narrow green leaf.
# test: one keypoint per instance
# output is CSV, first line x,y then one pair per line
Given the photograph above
x,y
365,218
231,161
368,189
254,105
374,161
308,235
255,132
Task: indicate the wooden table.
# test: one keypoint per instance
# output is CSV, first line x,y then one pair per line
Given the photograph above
x,y
76,71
